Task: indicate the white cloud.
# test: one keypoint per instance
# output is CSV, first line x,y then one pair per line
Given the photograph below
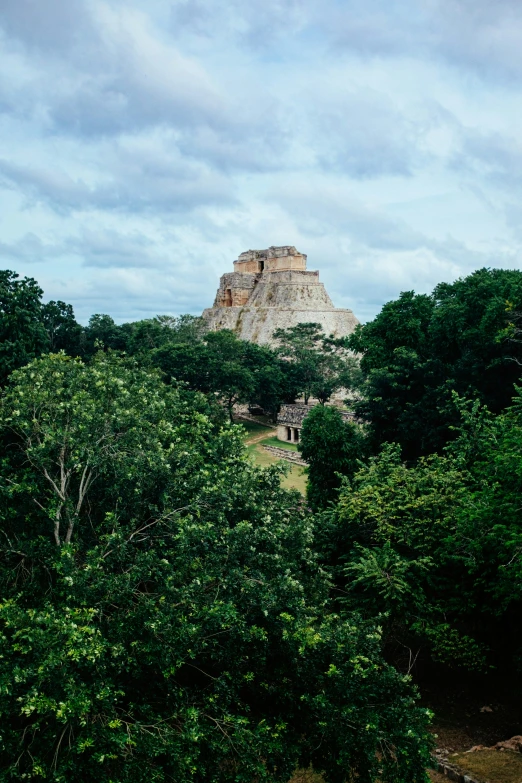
x,y
144,147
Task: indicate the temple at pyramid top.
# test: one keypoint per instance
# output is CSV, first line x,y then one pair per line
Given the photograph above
x,y
271,260
272,289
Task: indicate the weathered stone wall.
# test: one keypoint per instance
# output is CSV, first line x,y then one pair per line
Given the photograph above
x,y
234,290
291,290
296,261
250,265
272,259
259,324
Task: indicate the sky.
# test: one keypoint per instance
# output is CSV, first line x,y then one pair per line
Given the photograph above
x,y
144,145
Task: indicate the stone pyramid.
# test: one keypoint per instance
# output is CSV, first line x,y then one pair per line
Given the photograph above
x,y
272,289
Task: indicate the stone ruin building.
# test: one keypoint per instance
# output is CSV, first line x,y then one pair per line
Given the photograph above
x,y
272,289
290,421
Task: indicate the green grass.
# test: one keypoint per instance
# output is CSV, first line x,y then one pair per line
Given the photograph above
x,y
306,776
296,477
280,444
490,765
253,427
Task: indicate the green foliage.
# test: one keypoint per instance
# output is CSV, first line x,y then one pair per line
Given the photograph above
x,y
332,447
435,547
143,337
63,331
163,615
22,333
389,582
232,370
137,338
103,333
421,348
319,365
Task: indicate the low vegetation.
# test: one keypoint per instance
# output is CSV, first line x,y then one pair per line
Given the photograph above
x,y
490,765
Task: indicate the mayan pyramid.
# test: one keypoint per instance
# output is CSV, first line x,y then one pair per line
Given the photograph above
x,y
272,289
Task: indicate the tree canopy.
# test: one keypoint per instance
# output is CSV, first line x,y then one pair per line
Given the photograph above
x,y
163,613
320,365
22,332
421,348
434,547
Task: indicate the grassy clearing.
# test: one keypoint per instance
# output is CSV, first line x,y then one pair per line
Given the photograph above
x,y
490,765
309,776
254,428
280,444
296,477
436,777
256,435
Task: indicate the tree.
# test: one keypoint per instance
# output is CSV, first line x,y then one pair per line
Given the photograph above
x,y
22,333
232,370
230,379
215,366
338,369
300,345
321,365
333,448
420,349
143,337
434,547
103,332
163,615
63,331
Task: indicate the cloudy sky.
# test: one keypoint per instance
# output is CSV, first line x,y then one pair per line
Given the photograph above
x,y
144,145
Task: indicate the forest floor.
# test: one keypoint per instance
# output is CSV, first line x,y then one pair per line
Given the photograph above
x,y
466,717
261,432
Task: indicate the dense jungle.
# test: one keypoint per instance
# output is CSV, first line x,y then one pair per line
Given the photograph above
x,y
170,610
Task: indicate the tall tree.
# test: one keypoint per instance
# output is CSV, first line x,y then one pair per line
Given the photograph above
x,y
420,349
233,370
63,331
333,448
102,332
143,337
435,547
319,365
300,345
22,332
